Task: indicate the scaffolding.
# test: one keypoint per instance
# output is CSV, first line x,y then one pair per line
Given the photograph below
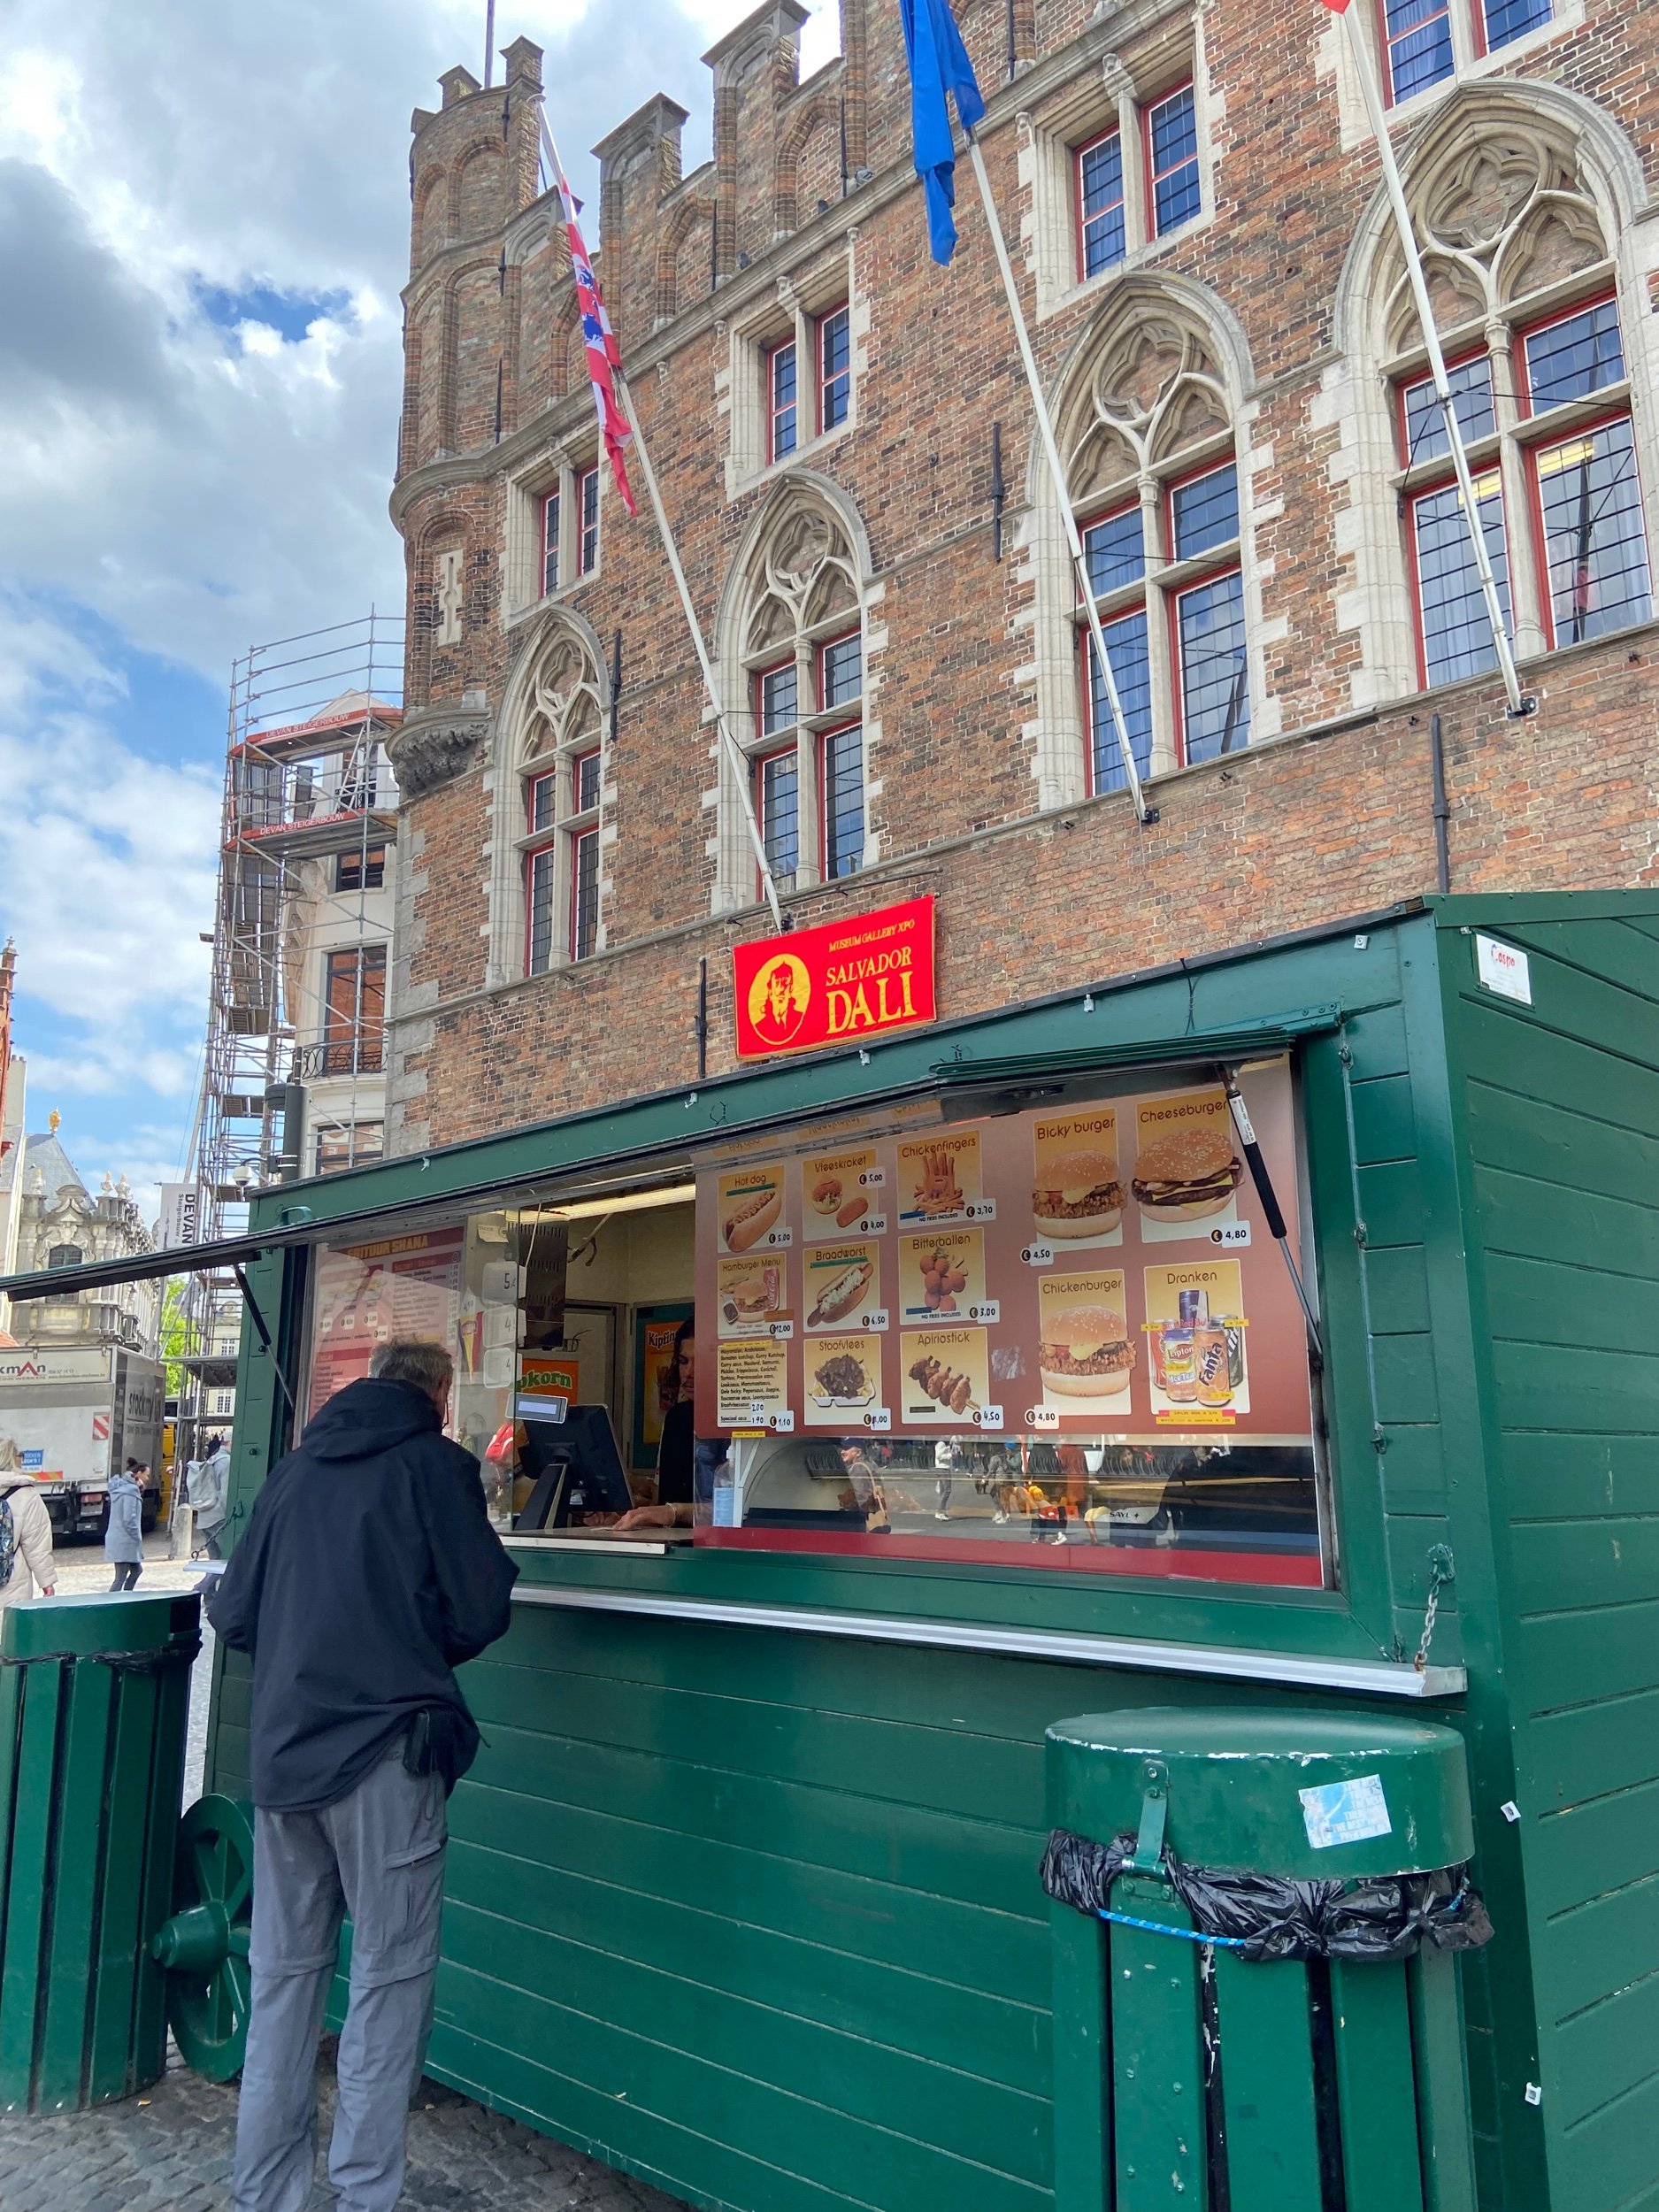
x,y
307,782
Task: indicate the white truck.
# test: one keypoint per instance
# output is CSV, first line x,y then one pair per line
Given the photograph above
x,y
68,1414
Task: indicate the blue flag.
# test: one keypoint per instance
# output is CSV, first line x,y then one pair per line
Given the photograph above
x,y
939,64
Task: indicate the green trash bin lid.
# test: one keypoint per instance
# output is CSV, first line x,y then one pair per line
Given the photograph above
x,y
105,1620
1306,1796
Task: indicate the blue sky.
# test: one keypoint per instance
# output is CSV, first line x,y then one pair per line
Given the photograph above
x,y
204,228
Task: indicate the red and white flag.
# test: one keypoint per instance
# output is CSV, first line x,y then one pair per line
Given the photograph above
x,y
603,354
1337,7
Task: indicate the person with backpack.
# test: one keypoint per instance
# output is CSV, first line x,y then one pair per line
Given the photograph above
x,y
25,1535
124,1538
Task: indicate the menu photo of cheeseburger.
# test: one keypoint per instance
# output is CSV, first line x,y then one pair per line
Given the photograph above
x,y
1086,1350
1186,1172
1076,1193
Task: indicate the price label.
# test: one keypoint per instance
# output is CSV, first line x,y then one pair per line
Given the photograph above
x,y
757,1409
869,1226
987,1309
1233,1232
780,1328
1042,1417
876,1320
979,1210
782,1423
879,1417
874,1178
988,1418
777,1239
1038,1254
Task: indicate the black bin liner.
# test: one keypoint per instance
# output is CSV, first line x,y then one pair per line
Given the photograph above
x,y
1387,1916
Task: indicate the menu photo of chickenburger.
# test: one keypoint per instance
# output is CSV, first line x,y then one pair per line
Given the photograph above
x,y
1186,1173
1085,1348
1076,1194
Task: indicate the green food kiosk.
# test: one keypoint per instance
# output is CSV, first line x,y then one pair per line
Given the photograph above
x,y
1272,1335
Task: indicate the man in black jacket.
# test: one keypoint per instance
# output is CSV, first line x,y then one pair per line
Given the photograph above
x,y
367,1572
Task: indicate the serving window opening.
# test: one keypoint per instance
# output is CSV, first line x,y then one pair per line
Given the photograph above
x,y
1055,1339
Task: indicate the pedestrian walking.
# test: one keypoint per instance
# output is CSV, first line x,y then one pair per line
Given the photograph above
x,y
25,1535
367,1572
124,1537
209,1491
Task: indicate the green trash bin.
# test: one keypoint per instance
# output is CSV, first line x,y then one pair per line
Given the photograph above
x,y
1187,2074
94,1697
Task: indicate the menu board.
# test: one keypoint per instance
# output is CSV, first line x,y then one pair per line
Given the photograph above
x,y
1104,1271
367,1294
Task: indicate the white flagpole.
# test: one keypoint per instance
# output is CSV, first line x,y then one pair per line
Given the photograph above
x,y
735,754
1056,471
1518,703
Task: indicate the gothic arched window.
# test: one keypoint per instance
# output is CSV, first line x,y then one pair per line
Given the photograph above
x,y
1522,282
1148,435
558,782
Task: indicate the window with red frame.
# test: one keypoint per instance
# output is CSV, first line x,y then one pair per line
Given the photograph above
x,y
550,544
1582,484
1102,239
540,871
1174,194
354,1010
587,521
835,367
1420,38
584,923
841,756
778,807
781,401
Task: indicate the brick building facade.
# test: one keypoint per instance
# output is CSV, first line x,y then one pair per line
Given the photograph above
x,y
1217,305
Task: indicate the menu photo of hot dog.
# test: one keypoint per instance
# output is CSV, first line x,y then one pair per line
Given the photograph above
x,y
844,1194
751,1210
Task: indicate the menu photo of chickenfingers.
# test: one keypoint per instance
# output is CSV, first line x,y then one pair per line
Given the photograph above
x,y
940,1180
1087,1353
1076,1194
1186,1166
1195,1331
946,1376
752,1388
751,1296
751,1212
841,1287
942,1275
844,1193
843,1383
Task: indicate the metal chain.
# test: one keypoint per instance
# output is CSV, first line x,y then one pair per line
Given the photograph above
x,y
1441,1572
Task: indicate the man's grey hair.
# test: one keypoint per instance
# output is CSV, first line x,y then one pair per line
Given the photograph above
x,y
428,1366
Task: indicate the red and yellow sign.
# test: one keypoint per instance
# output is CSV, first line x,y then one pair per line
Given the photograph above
x,y
862,977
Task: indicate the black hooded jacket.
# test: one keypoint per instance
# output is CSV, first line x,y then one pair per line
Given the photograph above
x,y
368,1571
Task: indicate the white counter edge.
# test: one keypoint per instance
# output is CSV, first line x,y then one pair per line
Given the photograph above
x,y
1380,1677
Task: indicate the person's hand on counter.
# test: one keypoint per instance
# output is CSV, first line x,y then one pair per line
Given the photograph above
x,y
654,1516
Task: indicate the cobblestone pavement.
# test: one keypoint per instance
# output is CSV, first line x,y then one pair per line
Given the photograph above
x,y
169,2151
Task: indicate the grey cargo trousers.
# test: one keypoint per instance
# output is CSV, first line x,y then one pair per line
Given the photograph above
x,y
378,1856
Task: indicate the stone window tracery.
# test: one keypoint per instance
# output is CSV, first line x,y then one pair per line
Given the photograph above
x,y
1152,466
557,793
798,646
1523,285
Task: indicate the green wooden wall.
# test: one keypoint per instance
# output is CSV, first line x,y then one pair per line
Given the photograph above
x,y
1558,1109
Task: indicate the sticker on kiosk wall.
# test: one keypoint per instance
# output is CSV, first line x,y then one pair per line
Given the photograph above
x,y
846,1194
751,1210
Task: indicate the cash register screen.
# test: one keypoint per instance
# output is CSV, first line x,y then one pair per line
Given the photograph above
x,y
576,1470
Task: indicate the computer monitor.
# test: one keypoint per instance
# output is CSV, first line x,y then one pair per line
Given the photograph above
x,y
576,1469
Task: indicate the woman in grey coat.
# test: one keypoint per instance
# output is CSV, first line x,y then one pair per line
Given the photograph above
x,y
124,1538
